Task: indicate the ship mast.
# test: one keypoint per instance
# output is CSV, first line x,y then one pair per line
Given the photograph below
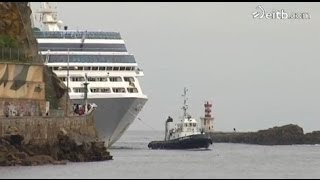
x,y
185,106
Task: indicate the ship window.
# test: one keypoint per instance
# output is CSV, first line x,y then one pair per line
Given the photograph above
x,y
132,90
55,68
100,90
128,79
92,79
190,124
116,68
109,68
78,90
94,68
77,78
86,68
105,90
122,68
115,79
128,68
94,90
97,79
102,68
119,90
80,68
133,68
194,124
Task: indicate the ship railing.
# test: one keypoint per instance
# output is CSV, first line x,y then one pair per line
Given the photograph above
x,y
77,34
85,49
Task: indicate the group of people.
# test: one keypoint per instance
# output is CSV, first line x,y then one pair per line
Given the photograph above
x,y
80,108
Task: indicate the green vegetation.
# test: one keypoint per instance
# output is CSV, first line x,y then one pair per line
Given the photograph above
x,y
8,42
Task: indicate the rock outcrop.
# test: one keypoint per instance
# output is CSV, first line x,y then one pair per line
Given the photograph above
x,y
15,22
284,135
69,147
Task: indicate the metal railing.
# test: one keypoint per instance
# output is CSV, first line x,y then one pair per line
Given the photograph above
x,y
17,55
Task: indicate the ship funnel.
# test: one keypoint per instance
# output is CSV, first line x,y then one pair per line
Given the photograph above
x,y
65,28
169,123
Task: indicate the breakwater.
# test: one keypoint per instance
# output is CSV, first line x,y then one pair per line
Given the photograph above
x,y
284,135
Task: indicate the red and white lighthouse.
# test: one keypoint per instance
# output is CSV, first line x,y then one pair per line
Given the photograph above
x,y
207,120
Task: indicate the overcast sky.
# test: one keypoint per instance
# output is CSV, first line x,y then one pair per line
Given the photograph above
x,y
258,73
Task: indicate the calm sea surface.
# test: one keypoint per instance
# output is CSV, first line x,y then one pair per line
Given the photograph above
x,y
133,159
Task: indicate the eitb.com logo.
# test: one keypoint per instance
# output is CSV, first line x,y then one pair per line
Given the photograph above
x,y
278,14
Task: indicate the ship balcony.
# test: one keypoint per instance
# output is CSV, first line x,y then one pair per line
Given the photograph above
x,y
139,72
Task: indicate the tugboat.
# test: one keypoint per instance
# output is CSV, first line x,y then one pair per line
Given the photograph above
x,y
185,135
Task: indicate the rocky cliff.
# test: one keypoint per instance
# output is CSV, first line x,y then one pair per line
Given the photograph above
x,y
15,23
16,32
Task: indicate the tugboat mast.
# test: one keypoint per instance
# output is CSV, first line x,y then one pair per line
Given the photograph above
x,y
185,106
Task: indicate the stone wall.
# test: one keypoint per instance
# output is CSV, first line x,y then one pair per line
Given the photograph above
x,y
44,130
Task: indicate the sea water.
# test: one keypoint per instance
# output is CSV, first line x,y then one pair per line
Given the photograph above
x,y
133,159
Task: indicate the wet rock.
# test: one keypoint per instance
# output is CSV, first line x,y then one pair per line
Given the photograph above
x,y
66,149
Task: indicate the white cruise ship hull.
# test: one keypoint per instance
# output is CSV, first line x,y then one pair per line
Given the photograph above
x,y
113,116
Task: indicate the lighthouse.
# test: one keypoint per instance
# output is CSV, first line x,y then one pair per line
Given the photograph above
x,y
207,120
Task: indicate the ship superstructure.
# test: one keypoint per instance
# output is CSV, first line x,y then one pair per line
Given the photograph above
x,y
100,58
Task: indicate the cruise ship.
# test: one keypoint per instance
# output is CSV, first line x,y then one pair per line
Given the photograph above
x,y
99,58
